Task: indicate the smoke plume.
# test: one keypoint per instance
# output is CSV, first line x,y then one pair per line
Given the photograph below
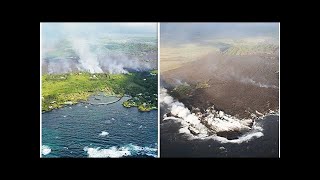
x,y
82,47
88,60
259,84
208,125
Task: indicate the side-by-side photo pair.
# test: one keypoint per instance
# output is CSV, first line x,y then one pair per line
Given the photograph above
x,y
159,90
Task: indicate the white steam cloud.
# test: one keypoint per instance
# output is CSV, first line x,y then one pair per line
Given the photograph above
x,y
92,56
259,84
203,127
118,63
88,59
59,66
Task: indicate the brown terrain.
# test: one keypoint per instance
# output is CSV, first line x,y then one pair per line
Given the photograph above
x,y
238,85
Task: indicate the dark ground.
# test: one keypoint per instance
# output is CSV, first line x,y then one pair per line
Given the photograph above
x,y
230,90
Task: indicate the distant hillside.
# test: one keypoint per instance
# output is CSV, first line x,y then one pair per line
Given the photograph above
x,y
240,50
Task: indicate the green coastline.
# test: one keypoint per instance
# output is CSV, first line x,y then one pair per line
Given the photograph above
x,y
59,90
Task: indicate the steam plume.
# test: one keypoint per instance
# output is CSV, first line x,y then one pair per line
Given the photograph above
x,y
199,126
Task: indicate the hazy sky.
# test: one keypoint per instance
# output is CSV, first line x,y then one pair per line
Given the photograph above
x,y
193,32
58,30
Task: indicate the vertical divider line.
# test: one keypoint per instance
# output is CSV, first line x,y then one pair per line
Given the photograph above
x,y
279,90
158,89
40,88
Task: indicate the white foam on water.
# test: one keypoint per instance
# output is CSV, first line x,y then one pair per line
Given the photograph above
x,y
244,138
112,152
45,150
139,148
108,121
140,126
153,155
173,118
104,133
127,150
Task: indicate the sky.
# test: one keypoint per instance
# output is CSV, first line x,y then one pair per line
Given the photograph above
x,y
192,32
53,31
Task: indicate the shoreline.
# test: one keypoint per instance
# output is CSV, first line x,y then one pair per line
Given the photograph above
x,y
108,103
212,121
256,131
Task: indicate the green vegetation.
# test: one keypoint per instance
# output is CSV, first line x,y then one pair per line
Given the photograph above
x,y
154,72
59,90
143,88
185,90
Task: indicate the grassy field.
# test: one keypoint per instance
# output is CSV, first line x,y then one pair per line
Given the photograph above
x,y
174,57
59,90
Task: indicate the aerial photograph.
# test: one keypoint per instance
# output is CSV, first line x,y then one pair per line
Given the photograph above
x,y
219,90
99,90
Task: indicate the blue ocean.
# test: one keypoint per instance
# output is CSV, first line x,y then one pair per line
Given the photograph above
x,y
99,130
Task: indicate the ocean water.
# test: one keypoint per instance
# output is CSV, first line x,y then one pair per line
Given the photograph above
x,y
85,130
175,144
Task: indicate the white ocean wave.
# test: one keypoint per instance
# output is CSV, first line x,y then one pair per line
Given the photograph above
x,y
45,150
104,133
112,152
244,138
127,150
